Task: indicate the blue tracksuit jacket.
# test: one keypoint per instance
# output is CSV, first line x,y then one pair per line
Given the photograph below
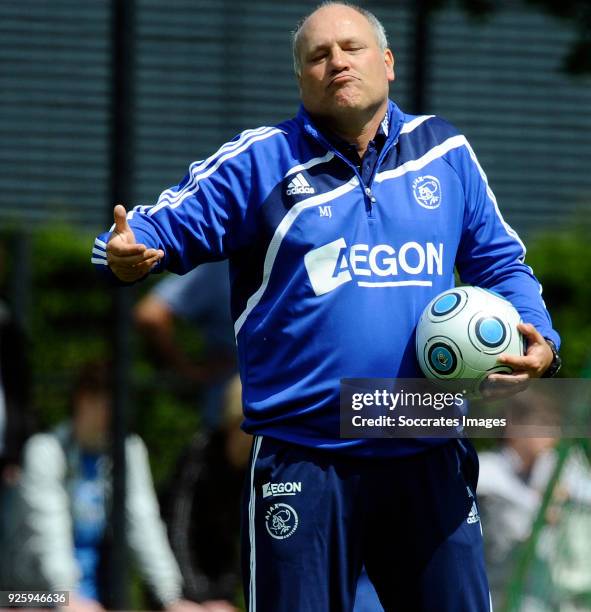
x,y
330,275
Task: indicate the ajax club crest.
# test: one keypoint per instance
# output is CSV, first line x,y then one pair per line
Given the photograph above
x,y
281,521
427,191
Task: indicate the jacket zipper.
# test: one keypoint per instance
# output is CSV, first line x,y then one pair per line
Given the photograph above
x,y
370,199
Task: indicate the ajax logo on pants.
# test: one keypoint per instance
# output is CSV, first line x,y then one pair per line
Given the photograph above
x,y
281,521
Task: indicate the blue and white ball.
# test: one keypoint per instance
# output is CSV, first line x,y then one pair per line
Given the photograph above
x,y
462,332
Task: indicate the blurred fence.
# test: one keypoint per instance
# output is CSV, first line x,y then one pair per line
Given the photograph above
x,y
206,70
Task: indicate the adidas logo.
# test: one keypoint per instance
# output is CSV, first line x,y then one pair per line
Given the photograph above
x,y
473,515
299,186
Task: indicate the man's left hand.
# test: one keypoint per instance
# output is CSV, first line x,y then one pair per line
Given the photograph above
x,y
533,364
536,360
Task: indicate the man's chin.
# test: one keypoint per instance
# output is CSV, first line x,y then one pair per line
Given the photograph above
x,y
343,108
348,100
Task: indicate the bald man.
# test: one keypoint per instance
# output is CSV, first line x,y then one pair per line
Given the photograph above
x,y
340,225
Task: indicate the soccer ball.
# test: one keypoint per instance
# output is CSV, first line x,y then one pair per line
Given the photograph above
x,y
462,332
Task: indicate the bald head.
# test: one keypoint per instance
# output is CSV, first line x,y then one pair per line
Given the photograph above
x,y
328,10
344,69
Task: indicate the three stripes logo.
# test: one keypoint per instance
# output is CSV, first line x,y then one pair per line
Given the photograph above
x,y
99,253
473,516
299,186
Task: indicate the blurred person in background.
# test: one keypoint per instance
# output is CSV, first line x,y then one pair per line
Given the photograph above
x,y
511,485
61,541
200,298
203,506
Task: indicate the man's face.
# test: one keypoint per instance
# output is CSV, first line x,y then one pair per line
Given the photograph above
x,y
92,418
343,68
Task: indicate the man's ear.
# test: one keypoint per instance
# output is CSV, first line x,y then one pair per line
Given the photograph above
x,y
389,62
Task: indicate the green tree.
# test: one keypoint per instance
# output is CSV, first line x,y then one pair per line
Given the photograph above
x,y
561,262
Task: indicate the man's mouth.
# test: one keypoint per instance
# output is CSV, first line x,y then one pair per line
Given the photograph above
x,y
341,79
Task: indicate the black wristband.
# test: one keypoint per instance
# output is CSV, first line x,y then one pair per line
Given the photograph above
x,y
556,360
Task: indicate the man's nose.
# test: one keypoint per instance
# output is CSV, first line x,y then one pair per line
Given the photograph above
x,y
338,59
